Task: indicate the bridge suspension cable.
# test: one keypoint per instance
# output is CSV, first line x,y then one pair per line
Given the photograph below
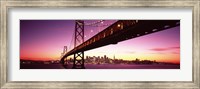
x,y
99,23
72,42
93,23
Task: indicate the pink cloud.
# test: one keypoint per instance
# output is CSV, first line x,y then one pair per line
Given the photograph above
x,y
175,53
164,49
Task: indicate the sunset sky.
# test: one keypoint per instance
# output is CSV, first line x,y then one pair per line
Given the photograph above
x,y
44,40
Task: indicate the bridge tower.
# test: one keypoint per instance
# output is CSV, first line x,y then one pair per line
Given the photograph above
x,y
64,51
63,61
78,62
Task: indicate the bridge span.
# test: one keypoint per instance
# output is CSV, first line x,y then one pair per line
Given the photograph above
x,y
120,31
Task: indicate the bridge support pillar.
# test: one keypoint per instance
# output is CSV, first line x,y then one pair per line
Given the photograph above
x,y
78,62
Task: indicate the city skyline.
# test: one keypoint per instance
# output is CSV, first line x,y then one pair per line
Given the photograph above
x,y
100,60
44,40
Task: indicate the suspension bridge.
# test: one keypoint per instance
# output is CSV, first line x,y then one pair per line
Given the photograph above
x,y
120,30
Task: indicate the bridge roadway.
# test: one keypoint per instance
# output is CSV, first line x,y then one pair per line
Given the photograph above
x,y
123,30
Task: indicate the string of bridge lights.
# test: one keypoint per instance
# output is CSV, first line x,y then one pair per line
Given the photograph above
x,y
103,25
93,23
99,23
